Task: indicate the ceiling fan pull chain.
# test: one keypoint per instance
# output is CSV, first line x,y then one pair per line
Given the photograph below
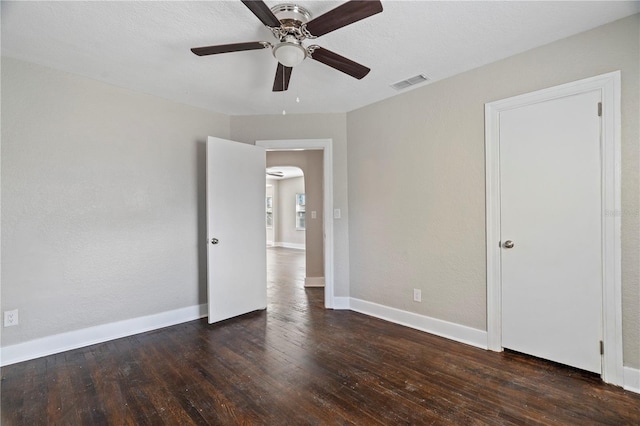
x,y
284,87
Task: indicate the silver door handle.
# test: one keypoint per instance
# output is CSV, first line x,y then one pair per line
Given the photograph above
x,y
508,244
214,241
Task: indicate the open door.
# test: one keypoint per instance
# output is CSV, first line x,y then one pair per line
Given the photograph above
x,y
236,240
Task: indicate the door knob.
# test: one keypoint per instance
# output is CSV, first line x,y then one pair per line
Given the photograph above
x,y
508,244
214,241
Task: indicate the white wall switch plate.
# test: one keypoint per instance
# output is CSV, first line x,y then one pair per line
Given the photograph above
x,y
314,214
336,213
10,318
417,295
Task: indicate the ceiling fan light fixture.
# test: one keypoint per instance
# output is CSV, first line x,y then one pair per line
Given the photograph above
x,y
289,53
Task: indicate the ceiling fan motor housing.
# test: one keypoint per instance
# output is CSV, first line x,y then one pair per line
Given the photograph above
x,y
290,51
292,17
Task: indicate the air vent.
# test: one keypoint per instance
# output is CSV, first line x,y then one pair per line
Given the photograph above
x,y
412,81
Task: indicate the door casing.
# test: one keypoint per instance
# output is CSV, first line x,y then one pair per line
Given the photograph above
x,y
609,85
326,145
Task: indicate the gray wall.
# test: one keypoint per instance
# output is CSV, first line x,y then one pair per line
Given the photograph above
x,y
311,126
311,164
102,192
416,180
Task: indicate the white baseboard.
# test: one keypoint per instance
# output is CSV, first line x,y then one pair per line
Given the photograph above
x,y
341,303
449,330
314,281
632,379
290,245
101,333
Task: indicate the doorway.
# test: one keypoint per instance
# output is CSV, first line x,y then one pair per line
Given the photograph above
x,y
605,312
286,230
324,145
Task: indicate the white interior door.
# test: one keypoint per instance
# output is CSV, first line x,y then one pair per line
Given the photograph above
x,y
550,210
236,255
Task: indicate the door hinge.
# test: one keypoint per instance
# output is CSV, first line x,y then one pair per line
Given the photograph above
x,y
601,347
599,109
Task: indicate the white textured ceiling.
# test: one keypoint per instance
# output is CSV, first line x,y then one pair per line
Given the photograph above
x,y
144,46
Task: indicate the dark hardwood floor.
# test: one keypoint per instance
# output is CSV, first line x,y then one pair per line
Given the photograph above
x,y
297,364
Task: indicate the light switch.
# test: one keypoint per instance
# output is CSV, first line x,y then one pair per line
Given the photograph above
x,y
336,213
313,214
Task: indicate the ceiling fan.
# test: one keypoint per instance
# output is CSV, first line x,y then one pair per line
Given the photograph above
x,y
291,25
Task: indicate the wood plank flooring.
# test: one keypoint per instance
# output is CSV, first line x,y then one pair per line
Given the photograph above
x,y
297,364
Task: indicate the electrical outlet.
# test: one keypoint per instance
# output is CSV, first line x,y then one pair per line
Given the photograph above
x,y
417,295
10,318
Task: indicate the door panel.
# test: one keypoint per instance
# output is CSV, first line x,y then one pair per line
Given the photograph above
x,y
236,265
551,210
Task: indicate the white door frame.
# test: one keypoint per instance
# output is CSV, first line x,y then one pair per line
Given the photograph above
x,y
609,85
326,145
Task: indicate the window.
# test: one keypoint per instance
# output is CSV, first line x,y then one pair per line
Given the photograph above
x,y
269,210
300,212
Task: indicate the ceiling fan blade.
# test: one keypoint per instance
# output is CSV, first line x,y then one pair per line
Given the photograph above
x,y
283,75
262,11
340,63
226,48
343,15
